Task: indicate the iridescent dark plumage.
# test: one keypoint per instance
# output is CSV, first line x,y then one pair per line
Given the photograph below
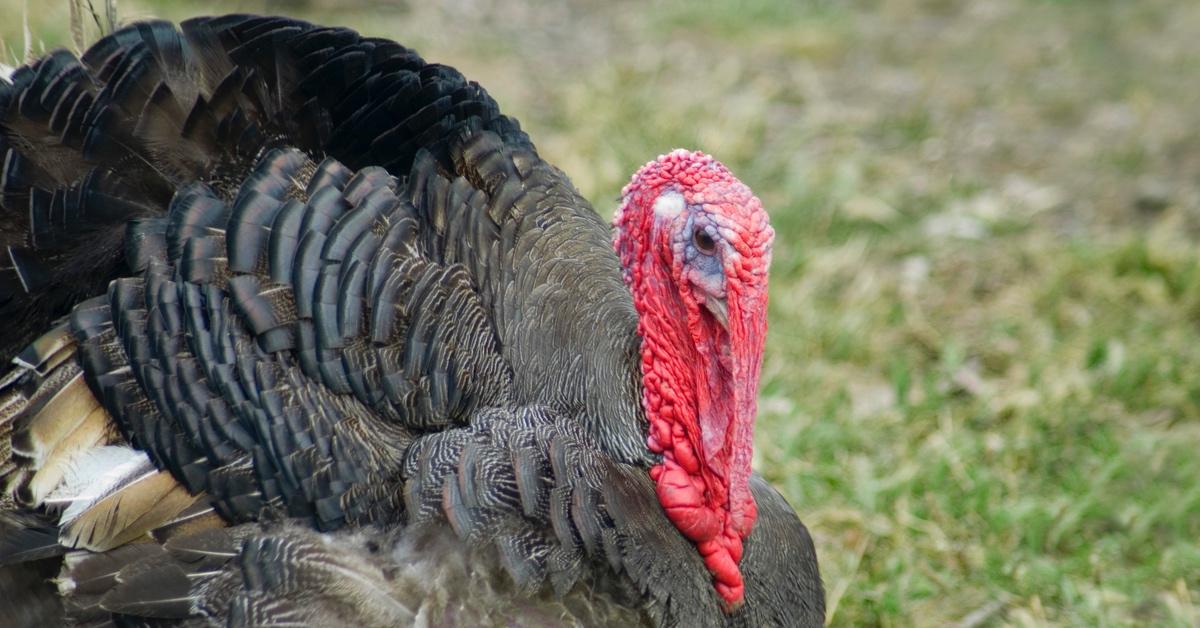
x,y
352,318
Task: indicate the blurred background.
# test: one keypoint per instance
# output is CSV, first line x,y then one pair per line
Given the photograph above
x,y
982,381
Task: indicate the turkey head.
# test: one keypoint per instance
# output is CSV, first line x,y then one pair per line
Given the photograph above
x,y
695,245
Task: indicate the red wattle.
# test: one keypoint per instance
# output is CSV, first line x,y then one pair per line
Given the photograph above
x,y
732,596
744,517
711,528
684,504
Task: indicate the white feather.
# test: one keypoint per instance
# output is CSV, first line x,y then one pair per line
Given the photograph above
x,y
95,474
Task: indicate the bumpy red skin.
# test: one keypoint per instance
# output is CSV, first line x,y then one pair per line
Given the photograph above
x,y
700,378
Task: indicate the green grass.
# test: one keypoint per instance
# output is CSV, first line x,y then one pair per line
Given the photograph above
x,y
982,384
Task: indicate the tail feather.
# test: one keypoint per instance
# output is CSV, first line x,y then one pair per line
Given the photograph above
x,y
127,514
47,352
89,144
86,577
55,456
26,593
26,535
92,430
48,418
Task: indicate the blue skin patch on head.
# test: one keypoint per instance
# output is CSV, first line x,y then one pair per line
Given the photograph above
x,y
704,269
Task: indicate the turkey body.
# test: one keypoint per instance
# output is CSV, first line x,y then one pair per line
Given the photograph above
x,y
305,332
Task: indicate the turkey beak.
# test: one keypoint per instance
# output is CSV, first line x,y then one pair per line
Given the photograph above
x,y
719,309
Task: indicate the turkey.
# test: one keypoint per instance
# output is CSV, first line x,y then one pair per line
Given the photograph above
x,y
303,331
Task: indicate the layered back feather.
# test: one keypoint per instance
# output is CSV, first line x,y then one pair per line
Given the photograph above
x,y
294,280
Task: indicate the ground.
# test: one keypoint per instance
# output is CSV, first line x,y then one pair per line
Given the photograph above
x,y
982,380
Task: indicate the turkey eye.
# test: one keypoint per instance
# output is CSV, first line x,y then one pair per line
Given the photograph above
x,y
704,242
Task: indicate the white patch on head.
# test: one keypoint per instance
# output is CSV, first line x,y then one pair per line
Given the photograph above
x,y
668,205
6,73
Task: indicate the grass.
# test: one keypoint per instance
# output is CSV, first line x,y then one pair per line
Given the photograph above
x,y
982,384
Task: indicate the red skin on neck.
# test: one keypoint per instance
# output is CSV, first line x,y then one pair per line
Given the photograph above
x,y
689,369
693,494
